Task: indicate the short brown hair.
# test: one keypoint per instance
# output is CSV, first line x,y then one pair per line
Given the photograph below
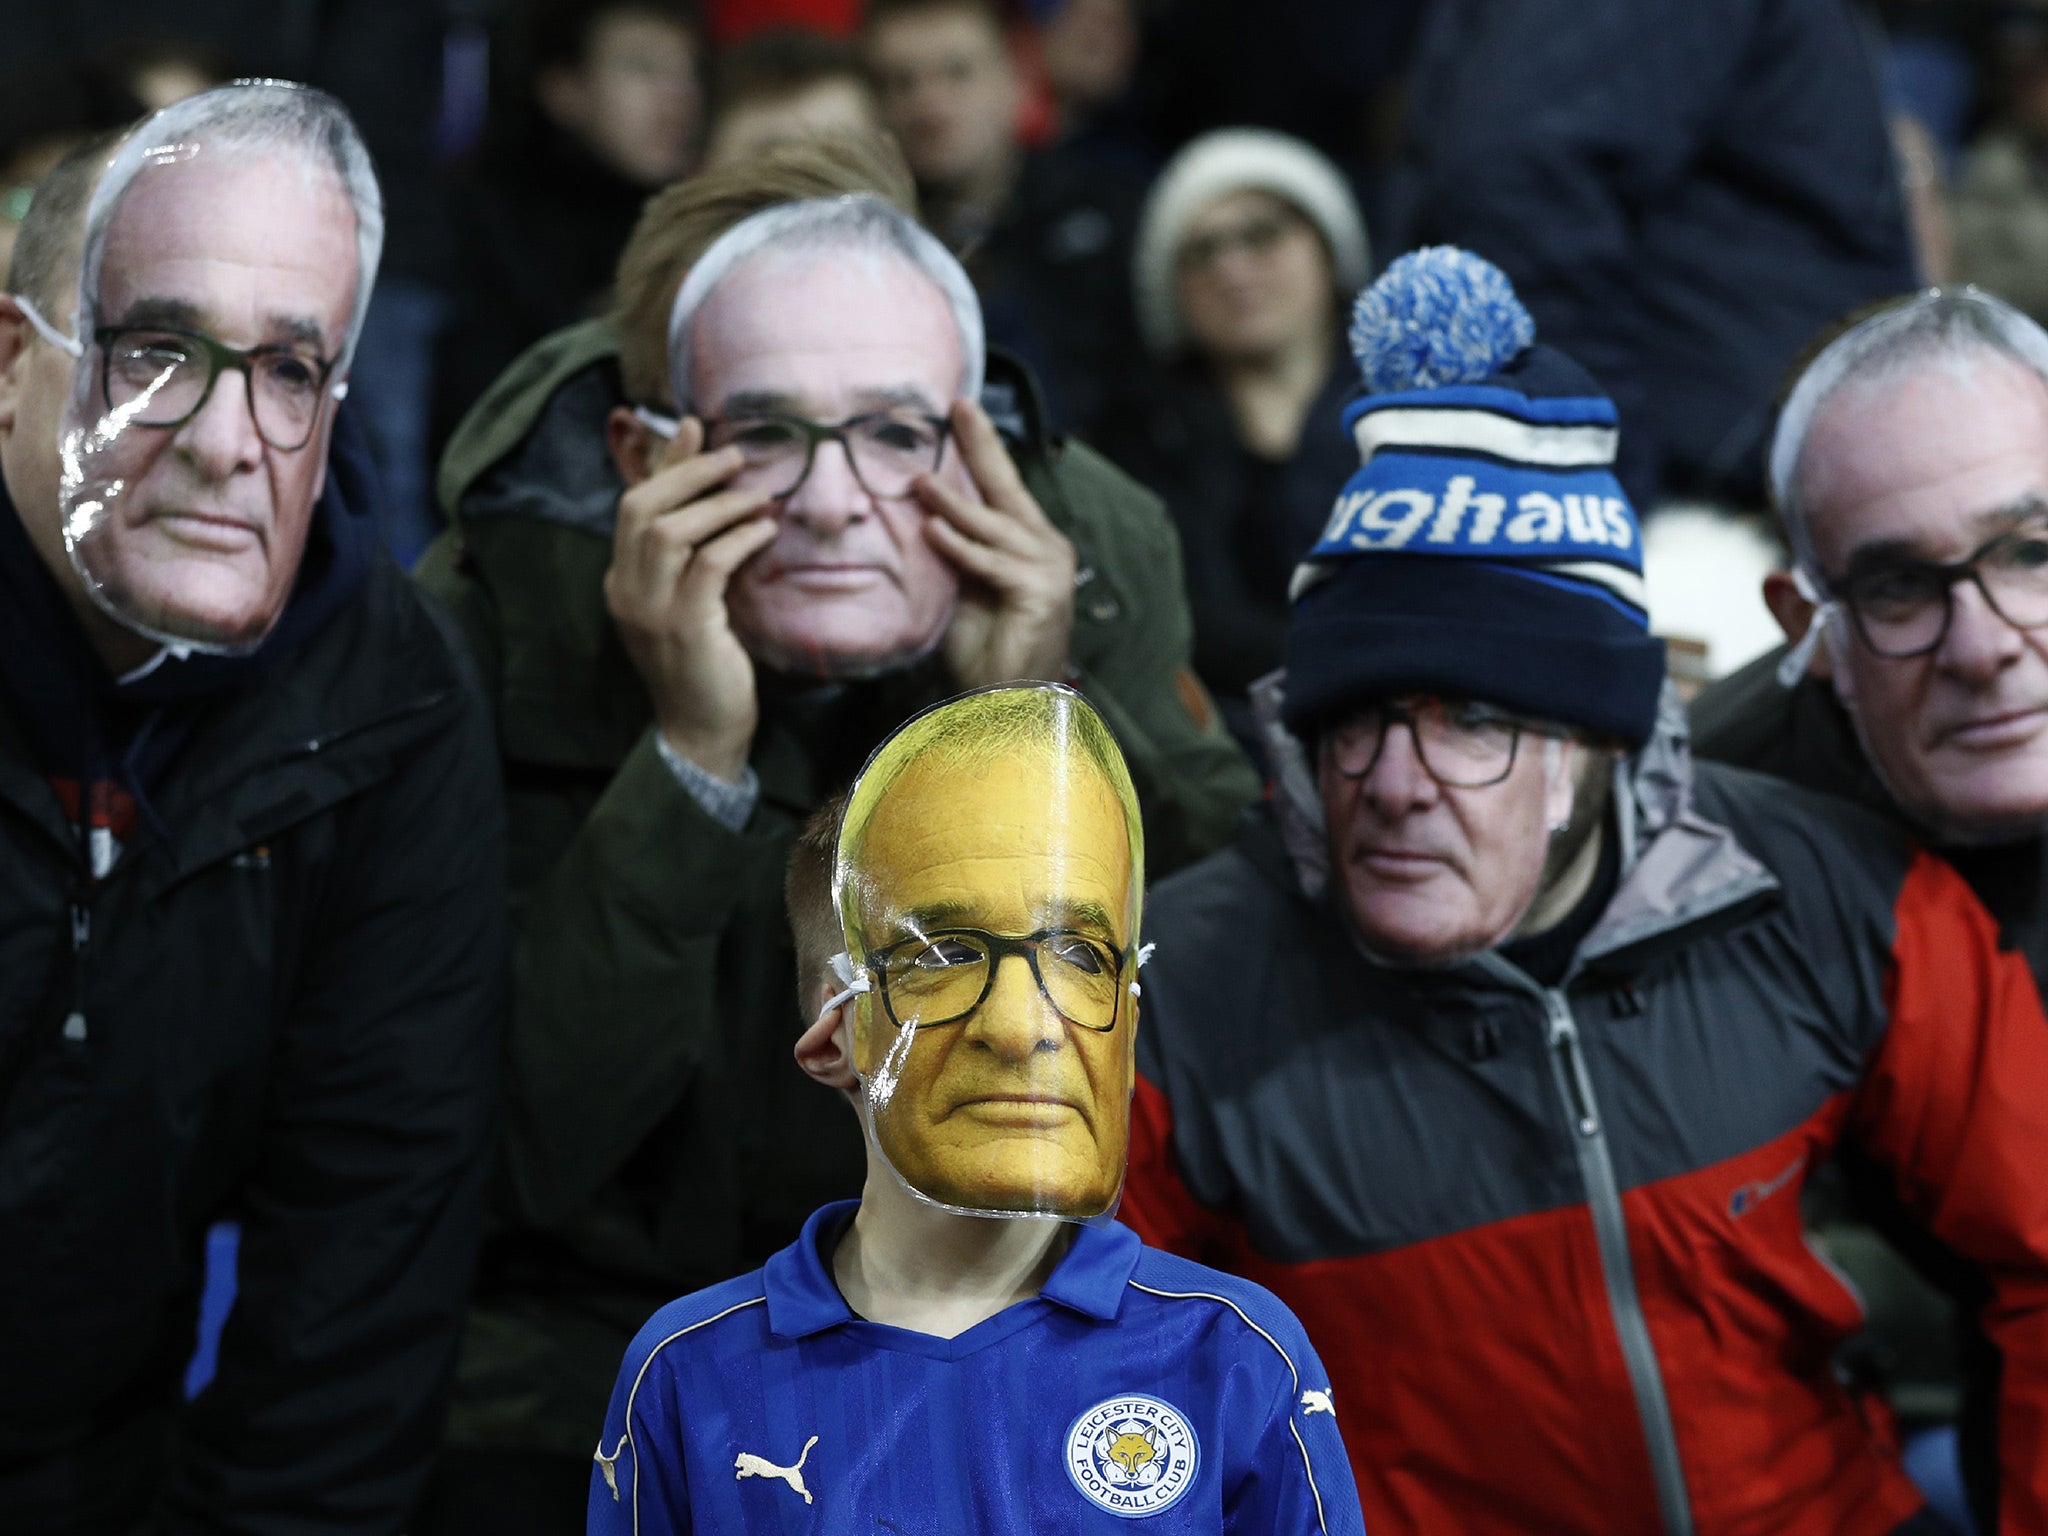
x,y
681,222
52,235
778,64
807,891
875,12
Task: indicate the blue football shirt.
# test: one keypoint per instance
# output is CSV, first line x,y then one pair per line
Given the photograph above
x,y
1138,1394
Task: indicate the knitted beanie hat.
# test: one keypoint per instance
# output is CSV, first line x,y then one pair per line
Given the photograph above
x,y
1484,548
1216,165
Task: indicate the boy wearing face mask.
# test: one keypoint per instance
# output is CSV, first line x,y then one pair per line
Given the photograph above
x,y
1503,1049
975,1344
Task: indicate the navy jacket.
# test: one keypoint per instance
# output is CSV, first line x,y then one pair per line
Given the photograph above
x,y
1683,191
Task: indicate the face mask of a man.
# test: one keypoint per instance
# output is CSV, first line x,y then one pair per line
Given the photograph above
x,y
989,882
218,300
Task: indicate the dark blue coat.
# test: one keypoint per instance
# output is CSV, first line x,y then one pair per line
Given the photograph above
x,y
1684,192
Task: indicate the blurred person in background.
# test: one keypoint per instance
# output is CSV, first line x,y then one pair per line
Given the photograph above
x,y
1682,191
251,863
1045,234
1910,468
658,1135
783,85
607,113
1999,213
1089,52
1249,248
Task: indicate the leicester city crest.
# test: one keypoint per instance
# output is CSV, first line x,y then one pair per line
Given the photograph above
x,y
1132,1455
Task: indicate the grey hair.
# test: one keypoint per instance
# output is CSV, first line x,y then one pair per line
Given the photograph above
x,y
857,223
1935,325
253,117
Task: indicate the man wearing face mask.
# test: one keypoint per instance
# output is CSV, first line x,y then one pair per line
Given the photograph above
x,y
1910,470
250,857
817,536
968,920
1503,1051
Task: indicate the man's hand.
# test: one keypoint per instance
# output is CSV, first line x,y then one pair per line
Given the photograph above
x,y
678,541
1016,614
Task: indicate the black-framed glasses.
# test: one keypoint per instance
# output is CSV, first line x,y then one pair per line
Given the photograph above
x,y
160,376
1462,744
1902,608
887,449
943,976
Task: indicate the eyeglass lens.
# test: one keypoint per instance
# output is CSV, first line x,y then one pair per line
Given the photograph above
x,y
1905,610
163,378
889,450
1462,745
943,977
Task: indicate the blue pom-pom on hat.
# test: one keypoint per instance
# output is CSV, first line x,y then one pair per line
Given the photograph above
x,y
1437,316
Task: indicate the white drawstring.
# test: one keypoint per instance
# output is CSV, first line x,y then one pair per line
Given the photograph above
x,y
1792,666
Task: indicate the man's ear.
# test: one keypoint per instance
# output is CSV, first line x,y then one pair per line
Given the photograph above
x,y
1794,614
17,341
634,446
825,1050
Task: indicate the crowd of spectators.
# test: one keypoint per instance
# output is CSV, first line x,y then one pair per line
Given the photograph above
x,y
1165,210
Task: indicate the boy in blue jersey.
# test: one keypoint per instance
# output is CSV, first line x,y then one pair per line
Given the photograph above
x,y
975,1346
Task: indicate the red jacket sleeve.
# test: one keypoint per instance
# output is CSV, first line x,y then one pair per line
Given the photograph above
x,y
1157,1203
1956,1102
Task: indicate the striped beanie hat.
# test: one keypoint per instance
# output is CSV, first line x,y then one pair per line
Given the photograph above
x,y
1483,549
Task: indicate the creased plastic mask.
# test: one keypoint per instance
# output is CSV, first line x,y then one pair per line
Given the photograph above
x,y
229,252
989,883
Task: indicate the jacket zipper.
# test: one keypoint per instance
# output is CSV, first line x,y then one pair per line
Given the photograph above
x,y
1596,1171
81,938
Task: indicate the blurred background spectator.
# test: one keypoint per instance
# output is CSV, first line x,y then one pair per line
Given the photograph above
x,y
2001,200
786,84
1045,233
1249,251
603,109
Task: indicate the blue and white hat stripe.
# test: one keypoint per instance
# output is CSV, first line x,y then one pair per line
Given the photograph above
x,y
1488,433
1574,523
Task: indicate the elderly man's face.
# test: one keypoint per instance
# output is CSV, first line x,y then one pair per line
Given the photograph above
x,y
850,586
1928,467
200,526
1434,873
1014,1107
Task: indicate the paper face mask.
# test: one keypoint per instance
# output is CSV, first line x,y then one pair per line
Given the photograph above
x,y
989,882
228,252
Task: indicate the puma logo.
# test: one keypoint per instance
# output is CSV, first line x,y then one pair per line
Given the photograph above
x,y
1313,1401
747,1464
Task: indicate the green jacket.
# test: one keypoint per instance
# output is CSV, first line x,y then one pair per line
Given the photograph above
x,y
659,1137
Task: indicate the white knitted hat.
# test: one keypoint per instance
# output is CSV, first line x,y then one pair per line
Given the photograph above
x,y
1239,160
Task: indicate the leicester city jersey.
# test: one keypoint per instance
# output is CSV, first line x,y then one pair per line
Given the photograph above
x,y
1138,1394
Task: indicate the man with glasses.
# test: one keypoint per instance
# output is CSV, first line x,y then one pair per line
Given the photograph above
x,y
1503,1049
1910,468
805,534
251,874
974,1345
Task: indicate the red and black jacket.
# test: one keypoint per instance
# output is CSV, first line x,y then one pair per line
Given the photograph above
x,y
1549,1242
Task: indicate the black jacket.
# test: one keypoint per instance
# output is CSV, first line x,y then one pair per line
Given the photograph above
x,y
281,1005
1239,539
1683,191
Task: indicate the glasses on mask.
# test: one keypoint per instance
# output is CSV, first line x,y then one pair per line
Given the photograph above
x,y
887,449
1902,608
158,376
943,976
1461,744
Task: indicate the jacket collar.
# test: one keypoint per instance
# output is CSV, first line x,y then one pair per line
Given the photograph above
x,y
804,1299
